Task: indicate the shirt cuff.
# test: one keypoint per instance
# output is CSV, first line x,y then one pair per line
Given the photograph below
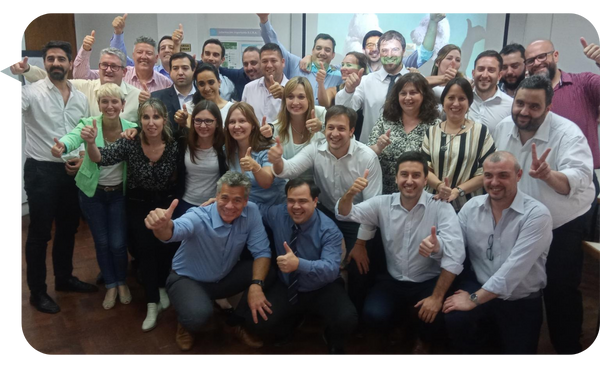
x,y
366,232
303,265
424,55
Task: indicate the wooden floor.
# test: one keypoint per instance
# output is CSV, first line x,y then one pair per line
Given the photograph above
x,y
84,327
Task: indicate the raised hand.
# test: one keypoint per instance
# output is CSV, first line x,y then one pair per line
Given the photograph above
x,y
247,163
359,184
413,70
119,23
353,80
313,124
58,149
159,218
177,35
276,152
144,94
430,244
288,262
265,129
449,74
275,89
437,17
443,190
89,133
20,67
264,17
539,167
384,140
304,63
181,117
321,74
591,51
88,41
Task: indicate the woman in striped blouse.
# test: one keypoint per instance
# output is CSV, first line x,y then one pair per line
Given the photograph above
x,y
456,148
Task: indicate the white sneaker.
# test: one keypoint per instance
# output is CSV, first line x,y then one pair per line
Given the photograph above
x,y
164,298
154,310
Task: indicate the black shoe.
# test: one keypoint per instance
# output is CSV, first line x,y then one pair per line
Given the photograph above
x,y
74,284
44,303
99,278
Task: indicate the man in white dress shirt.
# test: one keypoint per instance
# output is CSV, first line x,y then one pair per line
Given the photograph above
x,y
337,161
507,234
423,246
490,105
559,160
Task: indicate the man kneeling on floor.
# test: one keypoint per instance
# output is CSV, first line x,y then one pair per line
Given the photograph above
x,y
207,266
309,248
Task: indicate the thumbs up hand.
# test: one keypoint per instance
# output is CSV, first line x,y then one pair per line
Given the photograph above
x,y
359,184
177,35
144,94
247,163
89,133
353,80
275,89
384,140
181,117
313,124
159,218
591,51
444,191
276,152
288,262
265,129
88,41
119,23
321,74
20,67
58,149
430,244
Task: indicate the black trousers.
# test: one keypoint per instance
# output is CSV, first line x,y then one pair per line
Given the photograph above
x,y
52,197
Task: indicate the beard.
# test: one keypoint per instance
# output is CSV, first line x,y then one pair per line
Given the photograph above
x,y
513,86
532,125
550,71
57,73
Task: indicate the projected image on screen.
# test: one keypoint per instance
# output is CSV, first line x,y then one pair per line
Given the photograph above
x,y
464,30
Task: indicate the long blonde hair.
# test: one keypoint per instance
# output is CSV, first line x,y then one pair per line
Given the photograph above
x,y
284,115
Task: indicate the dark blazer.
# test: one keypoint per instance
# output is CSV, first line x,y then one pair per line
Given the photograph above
x,y
169,97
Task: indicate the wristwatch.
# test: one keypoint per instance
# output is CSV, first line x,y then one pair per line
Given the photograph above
x,y
461,193
474,299
260,283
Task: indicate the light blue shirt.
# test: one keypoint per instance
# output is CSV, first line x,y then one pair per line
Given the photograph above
x,y
118,41
402,231
292,63
319,246
210,247
520,244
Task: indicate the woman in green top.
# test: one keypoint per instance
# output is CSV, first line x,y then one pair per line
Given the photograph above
x,y
101,194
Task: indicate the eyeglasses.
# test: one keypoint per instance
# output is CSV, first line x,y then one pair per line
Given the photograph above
x,y
488,252
207,122
540,58
371,46
113,67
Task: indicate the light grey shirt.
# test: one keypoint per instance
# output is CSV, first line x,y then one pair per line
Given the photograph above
x,y
491,111
570,155
335,176
520,242
257,95
402,231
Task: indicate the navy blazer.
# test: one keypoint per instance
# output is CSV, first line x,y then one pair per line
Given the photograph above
x,y
169,97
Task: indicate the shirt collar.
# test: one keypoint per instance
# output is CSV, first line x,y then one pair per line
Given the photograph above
x,y
494,96
51,85
517,205
217,221
192,91
324,146
308,224
542,134
422,200
565,78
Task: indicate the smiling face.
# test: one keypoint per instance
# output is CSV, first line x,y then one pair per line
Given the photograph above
x,y
513,70
410,99
411,180
110,106
338,134
371,50
271,63
144,56
152,122
542,49
251,62
239,127
181,73
231,202
296,102
486,74
529,109
203,125
57,64
212,55
349,66
452,60
109,75
300,204
165,50
500,179
456,103
208,85
323,52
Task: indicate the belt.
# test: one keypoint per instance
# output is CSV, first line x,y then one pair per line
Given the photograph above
x,y
113,188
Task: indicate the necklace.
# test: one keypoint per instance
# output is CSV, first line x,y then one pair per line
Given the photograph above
x,y
301,133
444,148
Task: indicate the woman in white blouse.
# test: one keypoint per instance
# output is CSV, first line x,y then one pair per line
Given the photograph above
x,y
208,84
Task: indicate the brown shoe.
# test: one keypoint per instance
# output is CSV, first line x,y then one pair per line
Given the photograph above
x,y
244,336
183,339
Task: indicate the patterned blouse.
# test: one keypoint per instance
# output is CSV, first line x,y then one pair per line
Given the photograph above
x,y
141,173
401,142
458,157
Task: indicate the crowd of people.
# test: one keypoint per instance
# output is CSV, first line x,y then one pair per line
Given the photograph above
x,y
457,206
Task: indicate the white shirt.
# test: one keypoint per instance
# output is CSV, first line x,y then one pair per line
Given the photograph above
x,y
45,117
90,87
335,176
491,111
570,155
370,96
257,95
402,231
520,244
187,99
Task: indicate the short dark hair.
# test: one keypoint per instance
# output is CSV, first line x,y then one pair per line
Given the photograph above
x,y
63,45
363,62
215,42
489,53
251,49
298,182
271,47
202,67
463,84
392,35
373,33
164,38
183,55
414,156
324,36
513,47
336,110
538,82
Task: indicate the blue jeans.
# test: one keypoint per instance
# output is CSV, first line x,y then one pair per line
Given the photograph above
x,y
105,214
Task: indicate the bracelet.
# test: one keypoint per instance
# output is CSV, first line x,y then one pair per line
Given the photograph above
x,y
259,168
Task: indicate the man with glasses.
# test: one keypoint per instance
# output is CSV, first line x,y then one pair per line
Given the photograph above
x,y
111,70
513,68
559,160
507,234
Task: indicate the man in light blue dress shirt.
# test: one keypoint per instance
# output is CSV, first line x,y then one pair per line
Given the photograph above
x,y
423,247
507,234
309,248
207,266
